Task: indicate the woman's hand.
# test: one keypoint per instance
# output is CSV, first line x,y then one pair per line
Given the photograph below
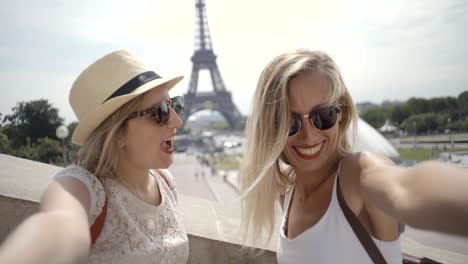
x,y
58,233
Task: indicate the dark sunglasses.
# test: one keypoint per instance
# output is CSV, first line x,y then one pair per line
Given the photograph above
x,y
322,118
160,112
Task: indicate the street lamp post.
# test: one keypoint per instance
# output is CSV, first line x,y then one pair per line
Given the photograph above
x,y
414,136
62,133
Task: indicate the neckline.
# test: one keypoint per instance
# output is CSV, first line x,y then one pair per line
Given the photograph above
x,y
132,196
318,223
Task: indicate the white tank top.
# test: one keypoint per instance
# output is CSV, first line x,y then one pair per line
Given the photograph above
x,y
330,240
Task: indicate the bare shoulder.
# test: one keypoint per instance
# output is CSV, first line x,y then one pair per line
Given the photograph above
x,y
371,159
357,166
349,176
351,171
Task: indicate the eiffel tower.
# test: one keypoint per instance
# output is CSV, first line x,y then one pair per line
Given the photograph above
x,y
205,59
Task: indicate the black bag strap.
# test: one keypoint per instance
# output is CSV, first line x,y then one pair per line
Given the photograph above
x,y
359,230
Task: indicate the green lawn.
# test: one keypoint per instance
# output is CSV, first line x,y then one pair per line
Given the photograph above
x,y
420,154
232,162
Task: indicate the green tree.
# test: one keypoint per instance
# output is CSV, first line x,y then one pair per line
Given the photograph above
x,y
72,149
425,123
439,105
453,108
418,106
463,105
35,119
48,150
27,151
431,122
71,128
375,116
398,113
413,124
4,143
461,125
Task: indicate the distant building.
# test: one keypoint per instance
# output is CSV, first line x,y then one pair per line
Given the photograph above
x,y
388,129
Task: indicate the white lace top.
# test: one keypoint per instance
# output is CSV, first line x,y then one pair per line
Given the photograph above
x,y
133,231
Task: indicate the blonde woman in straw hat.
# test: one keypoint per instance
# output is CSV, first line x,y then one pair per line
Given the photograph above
x,y
338,206
117,203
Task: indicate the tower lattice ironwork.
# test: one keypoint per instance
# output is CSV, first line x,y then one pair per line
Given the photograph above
x,y
205,59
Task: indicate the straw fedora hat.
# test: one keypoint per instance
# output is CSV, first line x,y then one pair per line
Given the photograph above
x,y
106,85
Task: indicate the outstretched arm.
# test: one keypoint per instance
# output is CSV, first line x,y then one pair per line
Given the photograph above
x,y
58,233
431,195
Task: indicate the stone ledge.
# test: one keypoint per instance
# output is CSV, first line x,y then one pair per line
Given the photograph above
x,y
212,227
14,211
204,250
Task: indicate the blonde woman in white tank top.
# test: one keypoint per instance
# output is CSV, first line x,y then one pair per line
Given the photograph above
x,y
297,149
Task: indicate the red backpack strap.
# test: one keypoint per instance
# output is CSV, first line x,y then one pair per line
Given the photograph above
x,y
98,224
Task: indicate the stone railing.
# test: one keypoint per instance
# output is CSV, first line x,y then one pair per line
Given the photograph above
x,y
212,229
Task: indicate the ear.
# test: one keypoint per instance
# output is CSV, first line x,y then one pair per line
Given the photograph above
x,y
121,142
122,136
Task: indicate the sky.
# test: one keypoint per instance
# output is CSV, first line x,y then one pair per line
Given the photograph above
x,y
386,50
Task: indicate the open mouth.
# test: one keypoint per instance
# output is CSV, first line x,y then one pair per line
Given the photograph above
x,y
309,152
167,145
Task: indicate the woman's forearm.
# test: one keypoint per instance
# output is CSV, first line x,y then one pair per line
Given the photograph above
x,y
437,197
47,238
430,195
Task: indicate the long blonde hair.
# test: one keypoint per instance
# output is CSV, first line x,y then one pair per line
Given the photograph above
x,y
99,154
262,177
